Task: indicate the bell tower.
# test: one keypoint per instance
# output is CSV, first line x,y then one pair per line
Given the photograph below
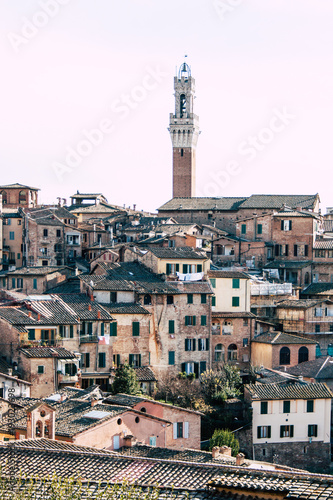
x,y
184,131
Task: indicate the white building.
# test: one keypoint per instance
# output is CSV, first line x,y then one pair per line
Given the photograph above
x,y
291,424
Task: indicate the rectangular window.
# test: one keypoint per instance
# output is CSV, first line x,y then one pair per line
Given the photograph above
x,y
203,344
312,430
295,250
286,225
235,283
243,228
190,320
113,329
235,301
179,430
203,298
309,406
58,233
152,440
101,359
31,334
264,407
190,298
199,268
45,233
171,357
135,360
71,331
13,282
213,301
264,431
18,256
171,326
19,282
169,299
11,235
213,282
245,342
40,369
286,406
286,431
102,329
185,268
61,331
259,229
306,250
135,329
190,344
116,359
34,284
317,328
203,320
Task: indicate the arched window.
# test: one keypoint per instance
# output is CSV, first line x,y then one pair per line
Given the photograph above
x,y
219,352
306,279
4,198
182,105
232,352
303,354
46,430
285,356
39,427
147,300
22,197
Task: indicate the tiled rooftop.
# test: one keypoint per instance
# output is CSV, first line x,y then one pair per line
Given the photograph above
x,y
280,338
289,391
48,352
320,368
227,274
298,304
319,289
39,457
178,253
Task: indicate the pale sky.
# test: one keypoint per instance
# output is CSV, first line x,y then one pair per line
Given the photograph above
x,y
263,71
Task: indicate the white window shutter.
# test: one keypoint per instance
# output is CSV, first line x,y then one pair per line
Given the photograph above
x,y
186,430
175,430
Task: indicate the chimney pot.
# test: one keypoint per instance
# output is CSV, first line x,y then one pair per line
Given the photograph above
x,y
215,452
99,314
225,450
240,459
38,316
93,402
89,307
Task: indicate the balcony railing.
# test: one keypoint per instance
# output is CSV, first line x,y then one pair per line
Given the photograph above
x,y
62,379
88,338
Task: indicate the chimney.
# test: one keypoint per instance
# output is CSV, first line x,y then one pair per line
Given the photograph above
x,y
29,314
10,371
89,307
62,397
129,441
215,452
38,317
240,459
98,314
92,298
225,450
93,402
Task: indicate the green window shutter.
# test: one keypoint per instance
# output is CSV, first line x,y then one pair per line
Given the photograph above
x,y
203,298
199,268
235,301
185,268
171,357
101,359
172,326
136,329
213,301
87,359
194,320
168,268
187,320
113,329
258,432
243,230
259,229
90,328
61,330
269,431
190,298
177,268
102,329
13,282
281,431
309,406
203,320
235,283
35,283
213,282
71,331
264,408
31,334
291,431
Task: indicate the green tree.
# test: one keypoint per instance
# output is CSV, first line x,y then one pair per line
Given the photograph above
x,y
125,381
224,437
219,385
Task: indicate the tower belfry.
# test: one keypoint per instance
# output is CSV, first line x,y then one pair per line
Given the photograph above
x,y
184,131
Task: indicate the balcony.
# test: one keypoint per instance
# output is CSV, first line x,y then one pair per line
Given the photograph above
x,y
84,339
66,379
